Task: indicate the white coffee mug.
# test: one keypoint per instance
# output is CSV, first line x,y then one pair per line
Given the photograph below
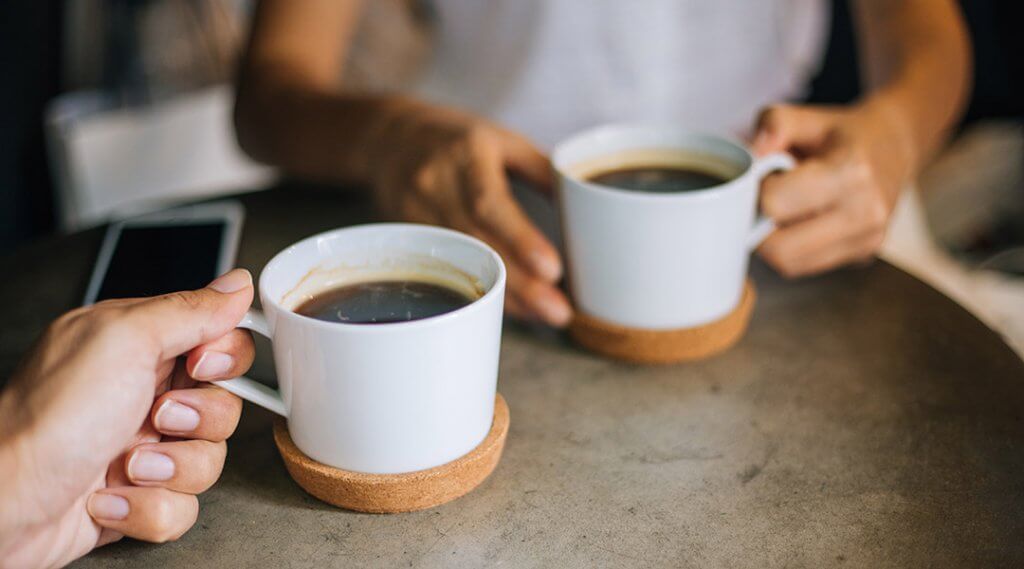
x,y
381,398
659,260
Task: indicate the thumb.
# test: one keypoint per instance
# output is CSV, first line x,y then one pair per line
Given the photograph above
x,y
181,321
784,127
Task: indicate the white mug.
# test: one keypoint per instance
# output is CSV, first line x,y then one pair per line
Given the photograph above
x,y
659,260
381,398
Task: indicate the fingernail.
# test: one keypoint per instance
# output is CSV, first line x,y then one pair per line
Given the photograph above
x,y
175,417
150,466
232,281
108,507
547,267
212,365
555,313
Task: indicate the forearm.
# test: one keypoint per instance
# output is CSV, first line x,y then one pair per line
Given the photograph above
x,y
315,132
916,57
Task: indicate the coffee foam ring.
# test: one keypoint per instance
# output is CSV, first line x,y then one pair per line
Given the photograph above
x,y
664,346
395,493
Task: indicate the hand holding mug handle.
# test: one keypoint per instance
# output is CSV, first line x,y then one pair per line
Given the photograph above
x,y
763,227
248,389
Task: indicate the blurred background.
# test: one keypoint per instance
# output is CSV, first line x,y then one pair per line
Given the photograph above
x,y
110,107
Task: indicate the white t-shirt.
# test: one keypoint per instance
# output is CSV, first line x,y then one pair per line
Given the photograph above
x,y
549,68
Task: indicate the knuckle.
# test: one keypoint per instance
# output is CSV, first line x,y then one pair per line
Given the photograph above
x,y
874,243
113,325
423,177
483,204
859,170
70,322
162,520
170,521
876,214
770,114
477,137
187,300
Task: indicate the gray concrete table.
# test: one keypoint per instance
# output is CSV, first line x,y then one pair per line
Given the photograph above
x,y
864,421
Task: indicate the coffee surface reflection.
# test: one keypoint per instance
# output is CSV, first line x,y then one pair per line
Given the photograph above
x,y
382,302
657,179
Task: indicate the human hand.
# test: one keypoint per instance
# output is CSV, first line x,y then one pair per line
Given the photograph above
x,y
443,167
834,207
104,430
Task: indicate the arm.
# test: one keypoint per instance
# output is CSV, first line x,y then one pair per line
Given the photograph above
x,y
287,92
423,163
834,208
916,60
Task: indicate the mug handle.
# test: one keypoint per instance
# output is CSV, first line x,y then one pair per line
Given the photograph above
x,y
249,389
763,227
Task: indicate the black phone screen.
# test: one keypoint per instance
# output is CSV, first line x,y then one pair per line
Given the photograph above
x,y
165,258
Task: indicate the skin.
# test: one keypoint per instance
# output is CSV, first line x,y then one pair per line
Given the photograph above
x,y
94,442
442,166
834,208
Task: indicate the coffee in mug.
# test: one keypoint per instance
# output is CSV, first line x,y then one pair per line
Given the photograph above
x,y
658,171
385,301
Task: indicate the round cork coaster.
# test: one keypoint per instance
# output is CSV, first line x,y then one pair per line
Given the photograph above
x,y
664,346
394,493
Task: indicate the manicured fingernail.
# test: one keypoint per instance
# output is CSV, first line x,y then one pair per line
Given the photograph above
x,y
108,507
150,466
547,267
176,418
213,365
232,281
554,312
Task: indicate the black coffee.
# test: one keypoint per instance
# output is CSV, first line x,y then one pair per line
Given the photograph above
x,y
380,302
658,179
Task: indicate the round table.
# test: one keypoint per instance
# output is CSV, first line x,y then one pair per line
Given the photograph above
x,y
865,420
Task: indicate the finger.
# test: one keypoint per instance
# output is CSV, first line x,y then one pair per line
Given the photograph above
x,y
180,321
859,250
416,210
184,466
116,475
494,208
538,299
539,303
514,308
527,161
809,189
209,413
226,357
150,514
785,127
790,249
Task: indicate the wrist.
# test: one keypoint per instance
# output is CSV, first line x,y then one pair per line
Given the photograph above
x,y
388,136
893,119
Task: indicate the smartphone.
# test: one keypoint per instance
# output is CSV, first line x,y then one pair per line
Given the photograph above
x,y
166,251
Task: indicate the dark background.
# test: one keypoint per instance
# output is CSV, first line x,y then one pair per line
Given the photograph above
x,y
30,64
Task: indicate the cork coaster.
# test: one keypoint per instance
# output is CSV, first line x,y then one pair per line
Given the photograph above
x,y
664,346
394,493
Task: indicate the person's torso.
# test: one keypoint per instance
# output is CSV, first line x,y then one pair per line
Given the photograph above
x,y
549,68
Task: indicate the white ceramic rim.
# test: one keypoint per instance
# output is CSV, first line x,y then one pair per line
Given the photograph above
x,y
387,327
